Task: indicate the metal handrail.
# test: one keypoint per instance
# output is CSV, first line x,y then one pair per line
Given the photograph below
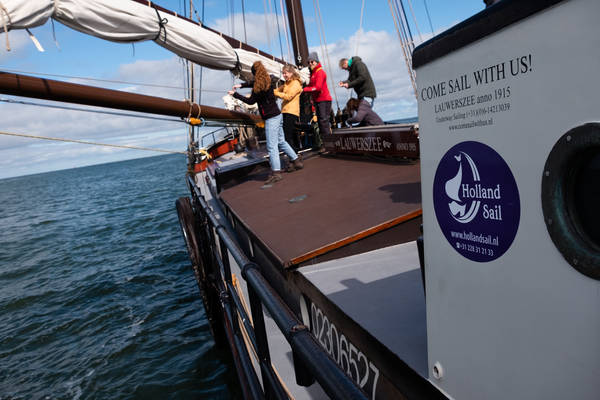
x,y
303,343
214,138
246,372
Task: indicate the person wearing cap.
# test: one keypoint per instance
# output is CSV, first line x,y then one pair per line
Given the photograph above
x,y
359,79
319,91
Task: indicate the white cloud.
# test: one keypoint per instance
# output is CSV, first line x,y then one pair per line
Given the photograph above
x,y
261,31
20,156
382,54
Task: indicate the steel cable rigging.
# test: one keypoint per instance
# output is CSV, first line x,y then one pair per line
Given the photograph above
x,y
405,37
319,18
91,143
16,71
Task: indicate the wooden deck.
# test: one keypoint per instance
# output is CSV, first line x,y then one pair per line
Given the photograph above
x,y
328,205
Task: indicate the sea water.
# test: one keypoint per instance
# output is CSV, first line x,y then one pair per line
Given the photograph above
x,y
97,295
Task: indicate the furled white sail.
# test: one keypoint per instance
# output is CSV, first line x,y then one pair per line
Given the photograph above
x,y
21,14
196,44
128,21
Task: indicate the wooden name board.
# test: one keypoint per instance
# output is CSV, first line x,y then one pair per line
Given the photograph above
x,y
384,140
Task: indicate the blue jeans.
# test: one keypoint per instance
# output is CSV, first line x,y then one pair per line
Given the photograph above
x,y
276,140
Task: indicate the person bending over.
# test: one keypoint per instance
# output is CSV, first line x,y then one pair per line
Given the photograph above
x,y
361,113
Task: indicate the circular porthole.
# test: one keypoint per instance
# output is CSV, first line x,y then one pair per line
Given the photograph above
x,y
571,197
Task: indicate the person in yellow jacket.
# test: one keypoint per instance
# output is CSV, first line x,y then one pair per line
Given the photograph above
x,y
290,108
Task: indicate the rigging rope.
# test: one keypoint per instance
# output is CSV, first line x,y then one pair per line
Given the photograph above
x,y
322,40
5,22
278,28
16,71
244,20
299,60
91,143
428,17
286,30
415,19
28,103
405,50
191,99
267,26
362,10
405,23
201,68
56,41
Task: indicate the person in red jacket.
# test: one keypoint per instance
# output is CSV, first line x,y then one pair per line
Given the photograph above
x,y
317,87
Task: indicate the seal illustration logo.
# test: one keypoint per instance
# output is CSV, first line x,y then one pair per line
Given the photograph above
x,y
476,201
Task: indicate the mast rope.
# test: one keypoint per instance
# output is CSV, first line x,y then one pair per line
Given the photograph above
x,y
406,25
162,22
428,17
278,28
91,143
201,68
415,20
244,20
323,40
287,31
269,36
191,104
103,80
28,103
54,34
404,46
231,12
299,60
362,10
4,23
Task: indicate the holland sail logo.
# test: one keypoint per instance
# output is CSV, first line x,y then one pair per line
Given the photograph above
x,y
458,207
476,201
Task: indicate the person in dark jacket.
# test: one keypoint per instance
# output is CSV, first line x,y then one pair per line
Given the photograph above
x,y
361,113
359,79
262,94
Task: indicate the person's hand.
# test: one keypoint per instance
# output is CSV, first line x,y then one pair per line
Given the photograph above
x,y
237,86
344,84
231,92
340,83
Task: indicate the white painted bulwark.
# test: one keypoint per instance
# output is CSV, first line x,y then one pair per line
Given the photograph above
x,y
507,316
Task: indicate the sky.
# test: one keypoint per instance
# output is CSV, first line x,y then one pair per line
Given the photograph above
x,y
147,68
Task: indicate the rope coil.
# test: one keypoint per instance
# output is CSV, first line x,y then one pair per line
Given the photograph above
x,y
191,110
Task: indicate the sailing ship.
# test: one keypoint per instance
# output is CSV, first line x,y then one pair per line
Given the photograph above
x,y
323,286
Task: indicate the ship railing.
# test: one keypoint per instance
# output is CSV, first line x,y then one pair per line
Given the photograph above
x,y
204,142
311,362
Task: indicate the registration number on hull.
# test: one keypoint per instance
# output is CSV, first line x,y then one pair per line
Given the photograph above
x,y
350,359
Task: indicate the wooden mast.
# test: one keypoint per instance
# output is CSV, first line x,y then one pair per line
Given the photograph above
x,y
297,31
191,147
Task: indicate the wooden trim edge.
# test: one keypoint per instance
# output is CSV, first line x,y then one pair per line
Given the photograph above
x,y
356,237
